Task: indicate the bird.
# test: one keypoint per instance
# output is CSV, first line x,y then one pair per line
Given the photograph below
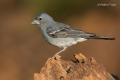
x,y
63,35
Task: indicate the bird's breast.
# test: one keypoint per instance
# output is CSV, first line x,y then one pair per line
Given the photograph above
x,y
65,42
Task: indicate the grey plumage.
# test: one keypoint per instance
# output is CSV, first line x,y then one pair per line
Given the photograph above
x,y
62,35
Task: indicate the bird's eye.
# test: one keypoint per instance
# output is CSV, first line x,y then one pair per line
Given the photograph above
x,y
40,18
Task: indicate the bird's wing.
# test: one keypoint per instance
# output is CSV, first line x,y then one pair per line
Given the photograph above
x,y
65,31
56,28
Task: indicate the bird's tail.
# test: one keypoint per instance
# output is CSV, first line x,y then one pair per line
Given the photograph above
x,y
102,37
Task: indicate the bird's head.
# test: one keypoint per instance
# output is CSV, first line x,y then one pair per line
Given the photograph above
x,y
42,18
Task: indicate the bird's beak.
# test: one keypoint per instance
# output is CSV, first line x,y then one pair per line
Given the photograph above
x,y
35,22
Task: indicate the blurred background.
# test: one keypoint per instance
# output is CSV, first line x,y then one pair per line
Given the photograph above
x,y
23,50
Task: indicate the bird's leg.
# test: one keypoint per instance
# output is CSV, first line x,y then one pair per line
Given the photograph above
x,y
61,51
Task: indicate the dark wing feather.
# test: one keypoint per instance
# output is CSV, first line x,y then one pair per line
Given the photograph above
x,y
65,31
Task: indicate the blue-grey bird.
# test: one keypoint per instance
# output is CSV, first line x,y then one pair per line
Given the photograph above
x,y
62,35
